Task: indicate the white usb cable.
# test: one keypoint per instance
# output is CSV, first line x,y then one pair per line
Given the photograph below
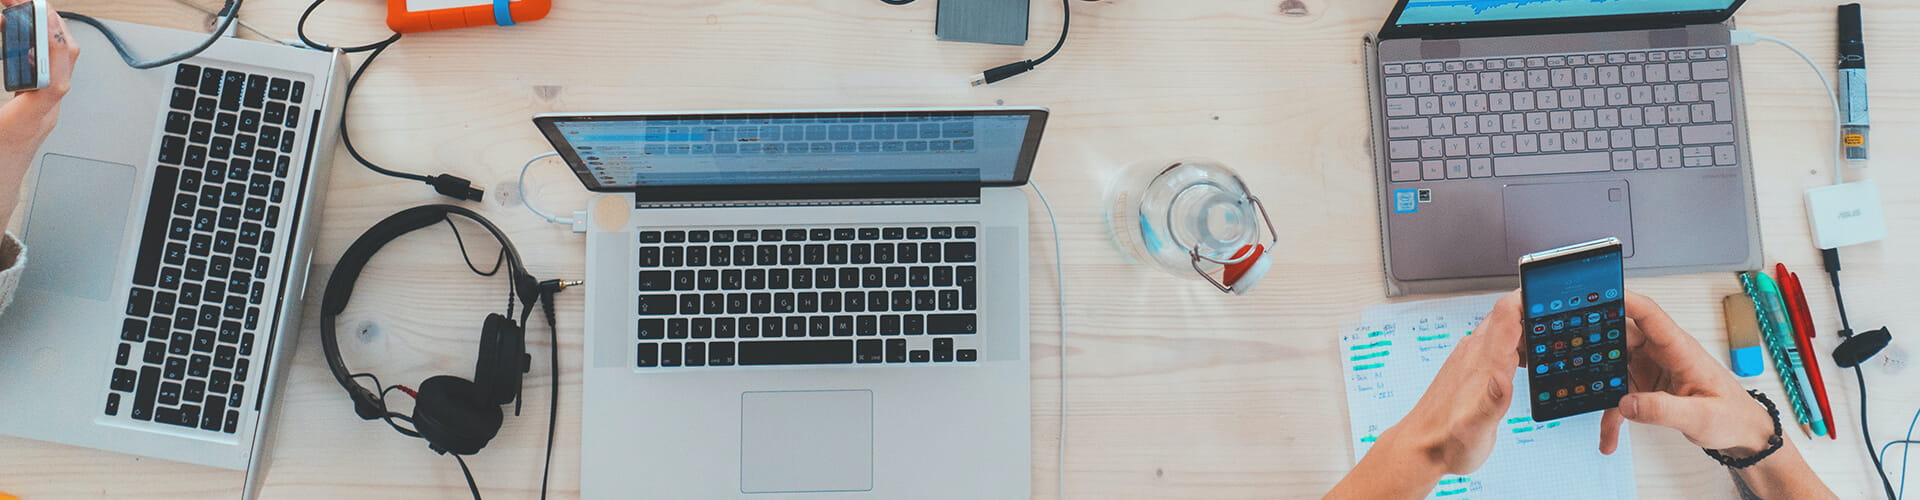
x,y
525,196
1060,287
1742,37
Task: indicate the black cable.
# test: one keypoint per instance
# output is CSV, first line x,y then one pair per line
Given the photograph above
x,y
446,184
1830,258
231,11
462,242
347,138
1011,70
553,409
391,416
301,29
475,488
1859,373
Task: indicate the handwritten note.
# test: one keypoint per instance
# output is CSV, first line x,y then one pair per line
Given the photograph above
x,y
1393,353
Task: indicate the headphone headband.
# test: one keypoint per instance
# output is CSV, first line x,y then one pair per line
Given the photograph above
x,y
346,273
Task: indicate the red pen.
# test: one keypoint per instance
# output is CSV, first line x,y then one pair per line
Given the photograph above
x,y
1802,318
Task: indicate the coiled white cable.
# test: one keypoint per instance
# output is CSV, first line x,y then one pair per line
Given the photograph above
x,y
526,196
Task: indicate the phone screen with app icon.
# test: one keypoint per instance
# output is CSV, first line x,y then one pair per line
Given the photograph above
x,y
1575,329
22,42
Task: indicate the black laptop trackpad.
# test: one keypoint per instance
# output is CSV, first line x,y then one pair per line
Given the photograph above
x,y
1547,216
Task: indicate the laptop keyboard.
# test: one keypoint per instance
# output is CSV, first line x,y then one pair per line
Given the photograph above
x,y
203,265
1570,113
826,295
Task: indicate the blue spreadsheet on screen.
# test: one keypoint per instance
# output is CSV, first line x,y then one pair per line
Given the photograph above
x,y
1464,11
799,150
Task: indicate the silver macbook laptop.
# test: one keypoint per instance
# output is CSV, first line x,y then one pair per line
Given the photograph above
x,y
167,239
1504,128
827,303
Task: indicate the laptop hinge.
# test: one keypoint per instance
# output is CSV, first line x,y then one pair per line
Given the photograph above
x,y
846,202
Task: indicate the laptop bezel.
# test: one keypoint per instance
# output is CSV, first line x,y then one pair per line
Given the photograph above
x,y
549,128
1520,27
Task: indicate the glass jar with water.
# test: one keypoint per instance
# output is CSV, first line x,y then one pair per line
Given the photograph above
x,y
1193,218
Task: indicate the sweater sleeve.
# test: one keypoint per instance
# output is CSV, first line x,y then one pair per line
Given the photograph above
x,y
13,262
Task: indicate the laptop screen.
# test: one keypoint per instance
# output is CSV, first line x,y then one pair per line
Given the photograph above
x,y
1440,19
1470,11
633,152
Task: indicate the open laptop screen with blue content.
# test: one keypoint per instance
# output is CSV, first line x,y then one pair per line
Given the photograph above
x,y
1472,11
627,152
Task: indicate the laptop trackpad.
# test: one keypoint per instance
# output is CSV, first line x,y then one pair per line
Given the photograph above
x,y
1547,216
74,226
805,441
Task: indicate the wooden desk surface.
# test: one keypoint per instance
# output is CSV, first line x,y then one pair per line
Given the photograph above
x,y
1177,391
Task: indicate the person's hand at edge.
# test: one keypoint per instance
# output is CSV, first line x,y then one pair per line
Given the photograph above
x,y
1674,383
29,117
1452,429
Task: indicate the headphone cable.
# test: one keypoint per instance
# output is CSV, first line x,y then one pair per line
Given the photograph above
x,y
553,407
475,488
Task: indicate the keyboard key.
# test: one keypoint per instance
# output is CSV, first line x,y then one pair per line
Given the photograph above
x,y
791,352
211,416
943,349
919,356
870,351
720,354
959,251
1551,164
654,305
950,324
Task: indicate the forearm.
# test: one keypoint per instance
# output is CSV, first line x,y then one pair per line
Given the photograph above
x,y
1395,468
1785,474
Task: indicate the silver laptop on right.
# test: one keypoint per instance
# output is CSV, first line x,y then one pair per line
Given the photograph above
x,y
1504,127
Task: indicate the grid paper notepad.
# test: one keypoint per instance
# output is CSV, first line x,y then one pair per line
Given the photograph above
x,y
1389,357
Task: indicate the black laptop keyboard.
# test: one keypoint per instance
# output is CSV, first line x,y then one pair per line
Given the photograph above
x,y
201,276
830,295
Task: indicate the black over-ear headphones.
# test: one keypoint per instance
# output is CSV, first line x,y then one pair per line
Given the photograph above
x,y
452,414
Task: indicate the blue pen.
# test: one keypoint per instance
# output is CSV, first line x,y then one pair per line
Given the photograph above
x,y
1779,333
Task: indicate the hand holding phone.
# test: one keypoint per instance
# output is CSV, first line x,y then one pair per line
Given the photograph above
x,y
1676,383
1576,329
25,43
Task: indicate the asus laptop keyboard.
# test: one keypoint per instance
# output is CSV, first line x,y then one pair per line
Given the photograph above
x,y
1571,113
199,280
831,295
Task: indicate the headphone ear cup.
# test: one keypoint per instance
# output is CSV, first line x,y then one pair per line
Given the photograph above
x,y
503,352
452,415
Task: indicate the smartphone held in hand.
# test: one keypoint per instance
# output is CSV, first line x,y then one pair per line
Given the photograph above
x,y
23,40
1575,328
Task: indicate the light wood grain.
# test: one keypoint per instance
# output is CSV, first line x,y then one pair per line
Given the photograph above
x,y
1176,391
